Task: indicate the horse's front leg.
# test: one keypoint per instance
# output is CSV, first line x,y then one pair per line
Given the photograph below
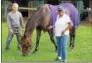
x,y
52,40
38,31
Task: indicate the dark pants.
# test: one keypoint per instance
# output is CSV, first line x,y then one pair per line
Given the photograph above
x,y
16,31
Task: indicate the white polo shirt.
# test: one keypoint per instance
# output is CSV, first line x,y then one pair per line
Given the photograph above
x,y
60,25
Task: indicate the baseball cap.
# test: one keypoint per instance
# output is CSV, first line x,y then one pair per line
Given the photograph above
x,y
60,8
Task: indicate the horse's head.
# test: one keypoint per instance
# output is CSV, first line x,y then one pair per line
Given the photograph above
x,y
26,45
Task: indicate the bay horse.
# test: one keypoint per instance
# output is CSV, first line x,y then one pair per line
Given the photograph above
x,y
40,21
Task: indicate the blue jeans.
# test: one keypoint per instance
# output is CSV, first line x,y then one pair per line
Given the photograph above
x,y
10,36
61,46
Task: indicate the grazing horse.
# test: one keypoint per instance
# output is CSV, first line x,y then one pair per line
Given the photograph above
x,y
41,20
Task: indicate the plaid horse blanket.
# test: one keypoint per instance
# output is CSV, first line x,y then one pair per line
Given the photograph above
x,y
69,9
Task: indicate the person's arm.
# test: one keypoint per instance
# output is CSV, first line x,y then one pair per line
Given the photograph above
x,y
51,27
68,27
9,23
21,21
69,22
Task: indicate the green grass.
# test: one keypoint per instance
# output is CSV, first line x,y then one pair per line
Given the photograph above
x,y
81,53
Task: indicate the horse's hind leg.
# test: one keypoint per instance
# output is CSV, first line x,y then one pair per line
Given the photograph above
x,y
52,40
72,38
37,39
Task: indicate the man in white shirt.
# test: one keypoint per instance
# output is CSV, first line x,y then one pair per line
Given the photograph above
x,y
62,26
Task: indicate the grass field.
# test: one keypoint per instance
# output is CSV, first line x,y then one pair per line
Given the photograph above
x,y
81,53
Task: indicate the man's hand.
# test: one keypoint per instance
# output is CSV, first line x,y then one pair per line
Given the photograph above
x,y
62,33
50,27
68,27
11,30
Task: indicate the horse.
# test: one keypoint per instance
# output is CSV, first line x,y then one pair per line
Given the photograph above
x,y
40,21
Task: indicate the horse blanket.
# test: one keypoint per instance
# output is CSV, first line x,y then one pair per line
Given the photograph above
x,y
69,9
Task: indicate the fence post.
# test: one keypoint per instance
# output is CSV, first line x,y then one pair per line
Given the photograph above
x,y
5,9
90,11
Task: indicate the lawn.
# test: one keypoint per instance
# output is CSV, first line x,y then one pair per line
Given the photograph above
x,y
81,53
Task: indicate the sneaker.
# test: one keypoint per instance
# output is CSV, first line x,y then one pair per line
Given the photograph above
x,y
57,59
64,60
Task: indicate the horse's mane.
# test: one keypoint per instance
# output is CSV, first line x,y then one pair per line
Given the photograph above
x,y
33,14
33,20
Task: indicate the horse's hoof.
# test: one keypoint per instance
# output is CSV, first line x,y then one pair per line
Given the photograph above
x,y
72,48
34,51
